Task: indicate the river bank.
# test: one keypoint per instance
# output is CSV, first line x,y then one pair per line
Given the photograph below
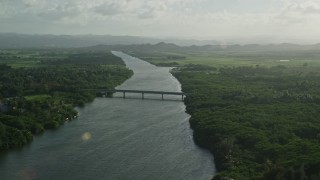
x,y
36,99
254,122
115,138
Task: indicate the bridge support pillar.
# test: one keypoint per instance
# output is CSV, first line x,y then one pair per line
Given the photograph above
x,y
162,96
124,95
142,95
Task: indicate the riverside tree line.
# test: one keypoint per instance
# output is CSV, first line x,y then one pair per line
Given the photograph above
x,y
260,123
43,97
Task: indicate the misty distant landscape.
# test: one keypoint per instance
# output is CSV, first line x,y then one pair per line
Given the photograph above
x,y
247,102
14,40
145,44
170,89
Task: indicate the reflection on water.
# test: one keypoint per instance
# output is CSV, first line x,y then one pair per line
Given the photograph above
x,y
116,138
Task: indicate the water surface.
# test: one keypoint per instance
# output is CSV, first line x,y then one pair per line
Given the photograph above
x,y
116,138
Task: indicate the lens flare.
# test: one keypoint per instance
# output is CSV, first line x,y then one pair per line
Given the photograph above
x,y
86,136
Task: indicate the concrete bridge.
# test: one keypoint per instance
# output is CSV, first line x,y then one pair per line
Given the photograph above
x,y
124,92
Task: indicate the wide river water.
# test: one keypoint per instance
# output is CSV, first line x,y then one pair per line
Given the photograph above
x,y
118,139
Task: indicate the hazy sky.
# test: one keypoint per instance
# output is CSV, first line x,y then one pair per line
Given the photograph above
x,y
298,19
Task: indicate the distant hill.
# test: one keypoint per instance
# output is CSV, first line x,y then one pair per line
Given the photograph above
x,y
239,49
143,45
41,41
13,41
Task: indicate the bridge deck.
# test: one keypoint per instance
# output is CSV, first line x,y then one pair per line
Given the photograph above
x,y
106,91
146,92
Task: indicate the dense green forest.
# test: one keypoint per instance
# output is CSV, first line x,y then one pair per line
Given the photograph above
x,y
260,123
43,96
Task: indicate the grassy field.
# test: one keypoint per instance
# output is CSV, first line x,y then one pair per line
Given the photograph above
x,y
27,58
220,60
236,62
37,97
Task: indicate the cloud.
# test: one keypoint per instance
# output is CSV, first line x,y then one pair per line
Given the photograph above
x,y
135,8
7,9
298,11
32,3
166,17
109,9
59,11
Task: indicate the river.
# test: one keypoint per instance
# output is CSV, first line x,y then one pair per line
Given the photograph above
x,y
115,138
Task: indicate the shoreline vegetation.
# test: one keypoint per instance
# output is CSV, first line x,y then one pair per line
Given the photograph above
x,y
258,122
40,88
256,108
